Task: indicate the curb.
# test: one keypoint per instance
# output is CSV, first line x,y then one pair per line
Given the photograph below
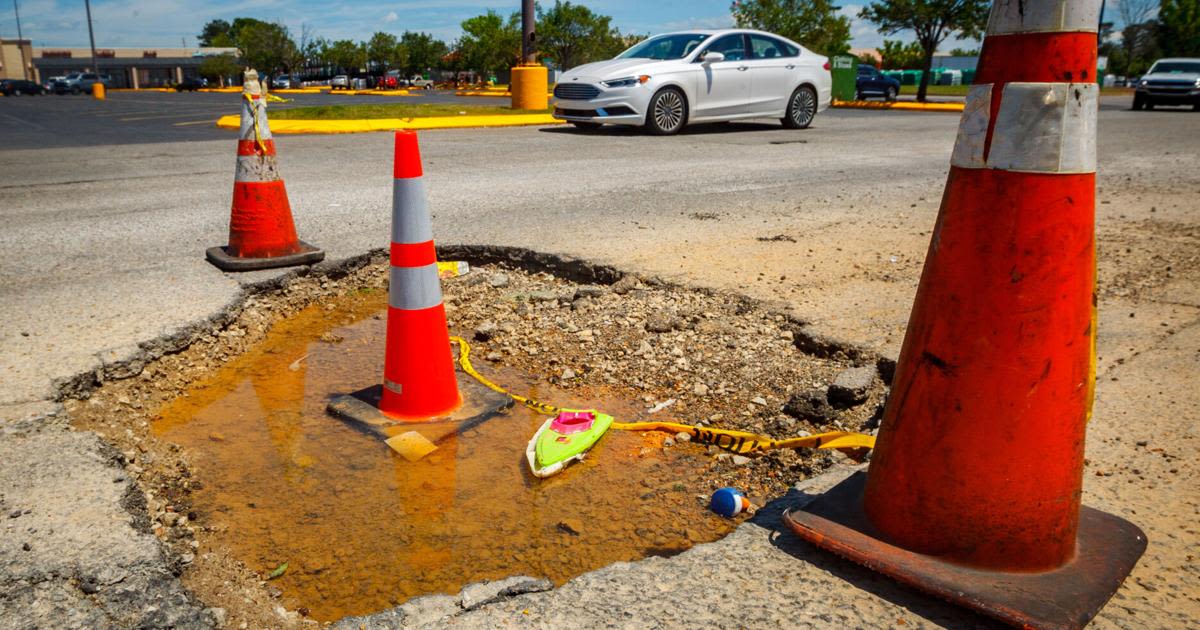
x,y
390,124
488,93
905,105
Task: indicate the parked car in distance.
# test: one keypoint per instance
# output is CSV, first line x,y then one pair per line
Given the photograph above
x,y
340,82
80,82
872,82
190,84
391,80
668,81
1174,81
419,81
13,87
284,82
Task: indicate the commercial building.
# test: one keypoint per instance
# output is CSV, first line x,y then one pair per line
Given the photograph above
x,y
16,59
127,67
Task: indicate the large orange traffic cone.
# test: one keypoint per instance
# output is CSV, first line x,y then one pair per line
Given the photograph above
x,y
418,375
973,492
262,234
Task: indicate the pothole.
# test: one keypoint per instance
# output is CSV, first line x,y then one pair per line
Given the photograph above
x,y
244,472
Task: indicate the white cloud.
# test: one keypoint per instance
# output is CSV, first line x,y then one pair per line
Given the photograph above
x,y
391,17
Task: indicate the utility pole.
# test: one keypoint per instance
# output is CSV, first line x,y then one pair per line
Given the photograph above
x,y
24,66
91,36
528,19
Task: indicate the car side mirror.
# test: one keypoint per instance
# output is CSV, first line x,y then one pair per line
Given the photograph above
x,y
712,57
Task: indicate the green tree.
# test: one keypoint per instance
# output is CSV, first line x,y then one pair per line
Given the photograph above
x,y
218,67
932,21
216,33
900,56
571,35
348,56
267,47
384,51
964,52
424,52
814,23
490,44
1179,27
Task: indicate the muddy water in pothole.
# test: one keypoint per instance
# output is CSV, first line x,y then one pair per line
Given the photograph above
x,y
360,528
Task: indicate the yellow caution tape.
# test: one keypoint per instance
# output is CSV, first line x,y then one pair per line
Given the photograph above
x,y
271,98
254,116
852,444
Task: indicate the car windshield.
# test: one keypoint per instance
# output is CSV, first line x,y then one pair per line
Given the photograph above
x,y
1176,66
675,46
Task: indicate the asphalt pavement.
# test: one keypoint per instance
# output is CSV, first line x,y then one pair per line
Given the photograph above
x,y
31,122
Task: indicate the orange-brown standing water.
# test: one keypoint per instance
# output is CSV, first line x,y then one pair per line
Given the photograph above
x,y
362,529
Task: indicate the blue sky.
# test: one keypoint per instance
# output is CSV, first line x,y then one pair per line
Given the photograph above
x,y
132,23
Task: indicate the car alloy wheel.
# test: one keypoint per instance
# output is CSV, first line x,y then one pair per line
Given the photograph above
x,y
802,108
891,94
667,112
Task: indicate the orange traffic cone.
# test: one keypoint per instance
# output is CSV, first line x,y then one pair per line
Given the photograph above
x,y
262,234
418,373
973,492
423,400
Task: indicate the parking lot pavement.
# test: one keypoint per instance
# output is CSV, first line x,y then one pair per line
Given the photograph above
x,y
32,122
103,248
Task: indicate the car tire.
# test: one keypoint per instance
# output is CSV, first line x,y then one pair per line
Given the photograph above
x,y
801,109
1196,107
1138,102
667,113
890,94
75,90
586,126
858,95
1149,104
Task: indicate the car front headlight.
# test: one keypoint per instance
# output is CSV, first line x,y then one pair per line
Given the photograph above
x,y
626,81
1197,83
1143,83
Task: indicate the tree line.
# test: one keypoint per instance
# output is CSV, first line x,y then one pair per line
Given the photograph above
x,y
568,35
1151,29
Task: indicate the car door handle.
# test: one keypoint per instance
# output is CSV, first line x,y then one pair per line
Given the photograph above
x,y
743,68
791,66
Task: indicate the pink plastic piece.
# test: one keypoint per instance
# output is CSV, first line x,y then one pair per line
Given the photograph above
x,y
569,422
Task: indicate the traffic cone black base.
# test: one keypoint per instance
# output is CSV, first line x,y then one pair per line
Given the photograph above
x,y
361,410
224,260
1069,596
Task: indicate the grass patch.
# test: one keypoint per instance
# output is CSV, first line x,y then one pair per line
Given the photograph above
x,y
394,110
961,90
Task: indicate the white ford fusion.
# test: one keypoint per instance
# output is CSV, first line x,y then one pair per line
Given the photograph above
x,y
668,81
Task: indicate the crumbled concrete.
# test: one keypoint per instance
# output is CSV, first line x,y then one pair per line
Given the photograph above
x,y
851,387
80,555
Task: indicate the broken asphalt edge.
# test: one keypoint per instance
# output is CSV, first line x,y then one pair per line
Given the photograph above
x,y
129,361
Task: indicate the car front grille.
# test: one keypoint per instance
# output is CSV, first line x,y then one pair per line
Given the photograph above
x,y
577,113
576,91
1170,86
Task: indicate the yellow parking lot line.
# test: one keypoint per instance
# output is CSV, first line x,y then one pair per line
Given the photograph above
x,y
193,122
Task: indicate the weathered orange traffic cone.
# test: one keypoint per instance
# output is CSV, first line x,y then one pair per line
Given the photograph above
x,y
973,492
262,233
418,371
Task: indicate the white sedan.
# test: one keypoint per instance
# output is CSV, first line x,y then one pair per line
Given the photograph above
x,y
668,81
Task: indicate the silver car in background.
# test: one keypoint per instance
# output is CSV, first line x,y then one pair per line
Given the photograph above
x,y
671,80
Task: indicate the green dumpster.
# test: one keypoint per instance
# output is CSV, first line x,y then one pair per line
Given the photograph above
x,y
968,77
845,77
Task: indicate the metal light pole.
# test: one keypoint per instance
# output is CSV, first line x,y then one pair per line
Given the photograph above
x,y
24,67
528,84
88,5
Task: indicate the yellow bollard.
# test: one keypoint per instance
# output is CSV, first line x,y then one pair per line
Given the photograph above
x,y
529,84
98,91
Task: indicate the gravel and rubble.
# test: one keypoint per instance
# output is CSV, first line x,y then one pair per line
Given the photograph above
x,y
686,355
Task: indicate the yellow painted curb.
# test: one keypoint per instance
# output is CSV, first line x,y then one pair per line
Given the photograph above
x,y
905,105
490,93
296,91
225,90
390,124
158,89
